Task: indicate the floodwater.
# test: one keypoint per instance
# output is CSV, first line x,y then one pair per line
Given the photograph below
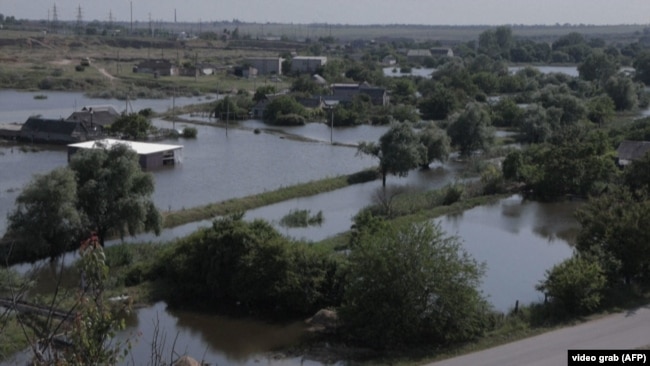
x,y
517,239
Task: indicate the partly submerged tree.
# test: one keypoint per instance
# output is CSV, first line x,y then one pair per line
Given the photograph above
x,y
45,221
410,286
399,150
114,193
471,130
436,143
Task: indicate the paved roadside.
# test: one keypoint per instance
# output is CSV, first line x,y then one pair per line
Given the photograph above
x,y
629,330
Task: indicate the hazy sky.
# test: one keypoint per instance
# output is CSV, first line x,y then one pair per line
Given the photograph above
x,y
443,12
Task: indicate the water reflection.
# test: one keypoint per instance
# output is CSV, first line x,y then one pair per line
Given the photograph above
x,y
215,339
518,240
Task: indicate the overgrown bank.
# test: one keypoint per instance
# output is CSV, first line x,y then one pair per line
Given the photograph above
x,y
234,205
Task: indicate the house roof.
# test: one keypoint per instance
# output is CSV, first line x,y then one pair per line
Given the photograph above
x,y
633,150
54,126
101,115
141,148
305,58
418,53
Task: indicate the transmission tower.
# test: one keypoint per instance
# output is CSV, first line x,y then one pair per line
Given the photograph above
x,y
55,18
79,20
110,19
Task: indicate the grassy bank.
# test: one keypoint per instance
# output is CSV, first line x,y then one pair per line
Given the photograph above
x,y
176,218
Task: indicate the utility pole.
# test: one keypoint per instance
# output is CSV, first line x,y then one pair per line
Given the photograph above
x,y
131,17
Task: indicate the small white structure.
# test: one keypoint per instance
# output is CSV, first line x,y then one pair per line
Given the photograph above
x,y
152,156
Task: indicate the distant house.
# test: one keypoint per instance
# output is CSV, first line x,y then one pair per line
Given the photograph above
x,y
307,64
441,52
57,131
345,92
151,156
156,67
266,65
629,151
418,55
96,115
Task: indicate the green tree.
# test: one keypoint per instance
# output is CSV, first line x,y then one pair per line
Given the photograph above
x,y
577,285
642,67
612,230
281,107
439,104
471,130
412,286
305,84
113,192
46,221
134,125
601,109
263,91
437,144
636,175
403,91
506,113
598,66
623,92
399,150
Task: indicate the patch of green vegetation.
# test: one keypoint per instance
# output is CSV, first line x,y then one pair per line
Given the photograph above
x,y
301,218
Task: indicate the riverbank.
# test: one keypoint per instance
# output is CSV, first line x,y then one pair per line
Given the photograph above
x,y
212,210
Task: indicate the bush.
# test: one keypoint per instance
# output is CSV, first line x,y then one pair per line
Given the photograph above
x,y
79,68
301,218
576,285
249,266
190,132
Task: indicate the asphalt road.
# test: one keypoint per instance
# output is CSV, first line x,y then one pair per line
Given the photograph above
x,y
627,330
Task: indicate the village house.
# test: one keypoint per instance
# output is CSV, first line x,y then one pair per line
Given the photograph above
x,y
345,92
629,151
307,64
156,67
441,52
265,65
57,131
151,156
95,116
417,56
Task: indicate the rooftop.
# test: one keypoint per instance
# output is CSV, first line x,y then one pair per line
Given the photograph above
x,y
142,148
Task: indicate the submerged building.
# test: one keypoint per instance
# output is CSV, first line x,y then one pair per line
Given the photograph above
x,y
151,156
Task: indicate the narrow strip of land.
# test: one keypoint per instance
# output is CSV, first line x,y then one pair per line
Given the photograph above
x,y
628,330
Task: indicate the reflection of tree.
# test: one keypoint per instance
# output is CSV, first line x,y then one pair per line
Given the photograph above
x,y
556,221
237,339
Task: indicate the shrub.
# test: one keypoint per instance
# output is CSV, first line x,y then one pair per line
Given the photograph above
x,y
576,285
190,132
80,68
